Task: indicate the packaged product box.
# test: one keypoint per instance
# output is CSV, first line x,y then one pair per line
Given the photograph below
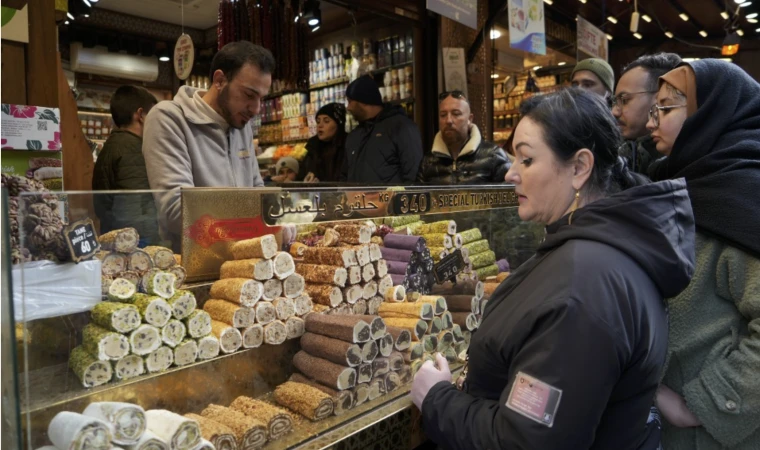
x,y
30,128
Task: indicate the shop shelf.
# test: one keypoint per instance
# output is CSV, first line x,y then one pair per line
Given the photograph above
x,y
506,111
328,83
395,66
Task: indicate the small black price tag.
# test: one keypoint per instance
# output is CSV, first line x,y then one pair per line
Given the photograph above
x,y
449,266
82,240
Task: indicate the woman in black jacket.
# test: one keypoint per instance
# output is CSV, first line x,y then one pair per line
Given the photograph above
x,y
571,346
326,151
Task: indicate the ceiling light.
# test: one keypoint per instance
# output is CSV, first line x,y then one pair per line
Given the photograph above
x,y
495,34
730,44
638,36
66,22
494,76
562,63
612,19
313,21
703,33
583,1
609,37
536,68
758,30
163,54
724,15
669,34
68,14
87,3
751,16
740,32
549,2
684,17
86,16
164,58
738,1
646,17
298,16
313,29
745,4
752,20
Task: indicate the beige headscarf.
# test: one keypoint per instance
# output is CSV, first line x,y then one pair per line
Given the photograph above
x,y
683,79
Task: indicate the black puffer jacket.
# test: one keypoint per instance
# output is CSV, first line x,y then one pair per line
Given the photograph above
x,y
478,162
384,150
586,316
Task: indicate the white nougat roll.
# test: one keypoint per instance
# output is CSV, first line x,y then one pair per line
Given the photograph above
x,y
126,421
149,441
178,431
74,431
205,445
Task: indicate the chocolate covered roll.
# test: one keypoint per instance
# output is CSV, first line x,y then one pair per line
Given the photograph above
x,y
335,350
328,373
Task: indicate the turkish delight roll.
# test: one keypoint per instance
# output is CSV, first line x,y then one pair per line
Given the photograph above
x,y
186,352
471,235
435,326
405,242
104,344
275,333
457,240
369,351
121,290
483,259
315,273
295,327
261,247
402,338
392,381
374,303
342,400
368,272
445,340
381,268
487,271
202,445
250,433
353,293
462,303
354,234
442,226
148,441
430,343
105,285
385,345
293,286
208,347
360,307
417,327
456,331
253,336
198,324
154,310
221,436
376,388
283,265
159,360
142,285
297,249
347,328
354,275
396,361
398,267
362,255
272,289
417,310
161,284
256,268
162,257
436,301
243,291
361,393
395,254
114,316
394,294
330,256
229,337
73,431
304,399
475,288
227,312
139,260
376,325
265,313
328,373
180,274
284,308
90,370
375,254
126,421
173,333
364,372
303,305
405,374
278,421
124,240
179,432
128,367
325,294
145,339
111,263
335,350
131,276
467,321
439,240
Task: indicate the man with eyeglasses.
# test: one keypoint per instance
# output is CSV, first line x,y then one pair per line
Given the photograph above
x,y
634,96
386,147
460,154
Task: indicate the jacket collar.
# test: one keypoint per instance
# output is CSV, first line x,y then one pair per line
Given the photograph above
x,y
194,111
472,144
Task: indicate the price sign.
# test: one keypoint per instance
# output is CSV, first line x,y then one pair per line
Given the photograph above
x,y
82,240
411,203
449,266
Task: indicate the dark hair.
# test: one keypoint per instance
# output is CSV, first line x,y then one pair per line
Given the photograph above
x,y
573,119
126,101
233,56
656,66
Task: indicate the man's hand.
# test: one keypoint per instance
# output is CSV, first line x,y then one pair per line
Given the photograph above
x,y
427,377
673,407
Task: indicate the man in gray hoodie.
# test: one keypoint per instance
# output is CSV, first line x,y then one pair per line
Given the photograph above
x,y
205,140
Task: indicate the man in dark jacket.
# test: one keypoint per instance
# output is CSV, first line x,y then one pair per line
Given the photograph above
x,y
386,147
634,96
121,166
460,154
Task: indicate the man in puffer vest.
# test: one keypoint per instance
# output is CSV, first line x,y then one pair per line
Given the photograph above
x,y
460,154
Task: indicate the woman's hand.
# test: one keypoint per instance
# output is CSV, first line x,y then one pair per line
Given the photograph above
x,y
427,377
673,407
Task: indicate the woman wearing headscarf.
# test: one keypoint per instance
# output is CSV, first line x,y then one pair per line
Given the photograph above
x,y
707,123
571,347
326,150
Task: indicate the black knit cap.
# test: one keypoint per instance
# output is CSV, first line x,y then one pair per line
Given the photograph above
x,y
335,111
364,90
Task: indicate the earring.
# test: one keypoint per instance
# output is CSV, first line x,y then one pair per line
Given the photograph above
x,y
575,206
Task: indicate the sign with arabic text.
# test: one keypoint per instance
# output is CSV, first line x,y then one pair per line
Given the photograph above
x,y
592,41
462,11
526,26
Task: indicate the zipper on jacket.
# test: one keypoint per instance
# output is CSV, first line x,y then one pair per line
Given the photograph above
x,y
229,159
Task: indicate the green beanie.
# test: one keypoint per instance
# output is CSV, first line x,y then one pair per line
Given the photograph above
x,y
600,68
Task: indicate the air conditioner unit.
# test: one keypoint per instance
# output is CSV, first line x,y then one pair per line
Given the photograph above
x,y
99,61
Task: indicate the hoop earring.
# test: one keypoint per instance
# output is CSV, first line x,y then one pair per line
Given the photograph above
x,y
575,206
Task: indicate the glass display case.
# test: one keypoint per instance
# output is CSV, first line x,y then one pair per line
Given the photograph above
x,y
101,317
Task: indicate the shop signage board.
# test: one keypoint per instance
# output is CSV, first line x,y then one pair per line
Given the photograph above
x,y
462,11
454,71
184,56
527,30
82,240
592,42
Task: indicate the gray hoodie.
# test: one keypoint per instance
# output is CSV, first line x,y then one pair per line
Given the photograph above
x,y
187,144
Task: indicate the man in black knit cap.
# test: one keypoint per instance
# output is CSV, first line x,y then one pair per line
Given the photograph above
x,y
386,147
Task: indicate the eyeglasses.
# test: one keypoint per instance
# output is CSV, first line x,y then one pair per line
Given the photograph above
x,y
622,99
455,93
654,112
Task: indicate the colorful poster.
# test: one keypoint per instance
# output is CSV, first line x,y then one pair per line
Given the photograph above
x,y
454,72
592,42
15,23
462,11
526,26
